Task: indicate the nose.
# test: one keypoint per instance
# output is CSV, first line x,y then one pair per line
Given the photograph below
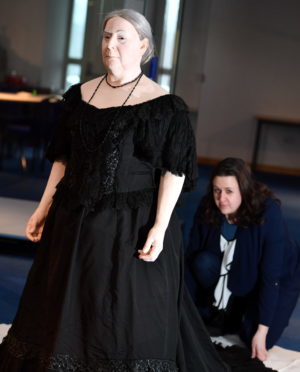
x,y
222,196
111,43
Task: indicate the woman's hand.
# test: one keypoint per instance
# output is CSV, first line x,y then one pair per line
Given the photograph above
x,y
36,222
168,193
35,226
153,245
259,350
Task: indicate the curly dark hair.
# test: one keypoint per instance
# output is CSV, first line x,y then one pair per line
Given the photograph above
x,y
253,194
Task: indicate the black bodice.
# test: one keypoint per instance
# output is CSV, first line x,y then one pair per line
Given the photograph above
x,y
114,156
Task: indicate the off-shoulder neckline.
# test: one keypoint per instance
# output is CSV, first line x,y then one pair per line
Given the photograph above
x,y
163,96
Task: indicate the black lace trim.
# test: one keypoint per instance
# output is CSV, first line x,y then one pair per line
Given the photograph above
x,y
64,363
67,363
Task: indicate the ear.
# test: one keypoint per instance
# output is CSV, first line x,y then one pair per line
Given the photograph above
x,y
144,45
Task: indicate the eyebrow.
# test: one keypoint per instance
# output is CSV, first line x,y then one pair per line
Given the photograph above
x,y
110,32
225,188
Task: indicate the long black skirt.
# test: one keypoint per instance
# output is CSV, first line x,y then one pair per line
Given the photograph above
x,y
90,304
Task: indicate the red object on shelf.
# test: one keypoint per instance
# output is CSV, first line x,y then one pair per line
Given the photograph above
x,y
15,81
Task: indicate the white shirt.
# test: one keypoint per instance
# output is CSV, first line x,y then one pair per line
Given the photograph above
x,y
222,293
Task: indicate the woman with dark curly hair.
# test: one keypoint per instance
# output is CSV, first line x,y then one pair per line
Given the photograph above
x,y
243,269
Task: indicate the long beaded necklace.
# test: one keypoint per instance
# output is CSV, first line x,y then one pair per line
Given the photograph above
x,y
81,125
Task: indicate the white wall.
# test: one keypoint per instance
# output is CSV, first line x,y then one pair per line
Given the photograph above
x,y
137,5
33,33
22,33
56,37
193,43
252,66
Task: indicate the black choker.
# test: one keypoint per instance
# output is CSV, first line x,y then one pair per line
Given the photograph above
x,y
122,85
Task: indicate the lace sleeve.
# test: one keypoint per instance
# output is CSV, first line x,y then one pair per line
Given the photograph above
x,y
179,150
168,143
59,146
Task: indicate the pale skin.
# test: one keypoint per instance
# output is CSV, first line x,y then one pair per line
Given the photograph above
x,y
122,51
228,199
35,225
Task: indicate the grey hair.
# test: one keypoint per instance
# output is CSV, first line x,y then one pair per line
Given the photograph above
x,y
140,23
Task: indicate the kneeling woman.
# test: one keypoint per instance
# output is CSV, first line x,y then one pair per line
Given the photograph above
x,y
243,269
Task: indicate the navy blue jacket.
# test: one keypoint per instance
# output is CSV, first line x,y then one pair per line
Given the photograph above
x,y
264,256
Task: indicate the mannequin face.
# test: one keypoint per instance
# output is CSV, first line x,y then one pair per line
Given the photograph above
x,y
227,194
122,48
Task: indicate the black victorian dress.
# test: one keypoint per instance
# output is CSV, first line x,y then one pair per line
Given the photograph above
x,y
89,303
